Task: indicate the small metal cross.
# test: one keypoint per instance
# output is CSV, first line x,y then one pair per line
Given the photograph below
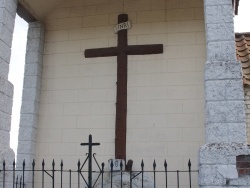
x,y
90,144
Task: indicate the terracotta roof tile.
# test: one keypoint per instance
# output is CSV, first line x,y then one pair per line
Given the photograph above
x,y
243,54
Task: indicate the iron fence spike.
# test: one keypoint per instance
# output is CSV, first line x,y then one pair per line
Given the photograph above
x,y
142,163
43,163
121,165
111,164
78,165
3,162
24,162
154,164
33,162
189,165
53,162
61,163
14,162
165,163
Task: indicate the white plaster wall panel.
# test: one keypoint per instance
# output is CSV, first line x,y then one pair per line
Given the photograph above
x,y
180,14
78,95
151,16
191,26
158,4
137,5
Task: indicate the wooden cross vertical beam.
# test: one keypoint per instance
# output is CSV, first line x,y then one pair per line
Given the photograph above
x,y
122,51
121,96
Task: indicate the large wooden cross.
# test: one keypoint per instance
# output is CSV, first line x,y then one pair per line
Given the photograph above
x,y
122,51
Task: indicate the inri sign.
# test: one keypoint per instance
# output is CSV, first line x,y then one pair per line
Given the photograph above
x,y
122,26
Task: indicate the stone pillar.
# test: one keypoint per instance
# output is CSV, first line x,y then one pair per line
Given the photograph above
x,y
7,22
31,96
225,114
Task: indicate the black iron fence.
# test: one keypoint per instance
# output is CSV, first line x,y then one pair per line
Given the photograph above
x,y
114,175
52,177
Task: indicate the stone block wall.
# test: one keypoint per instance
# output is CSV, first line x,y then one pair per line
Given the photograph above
x,y
7,21
31,94
225,107
247,110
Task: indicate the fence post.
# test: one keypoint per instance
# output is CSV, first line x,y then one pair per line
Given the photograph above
x,y
61,172
78,170
166,172
33,173
23,171
102,173
154,166
189,172
121,165
111,166
14,174
142,169
43,163
4,174
53,173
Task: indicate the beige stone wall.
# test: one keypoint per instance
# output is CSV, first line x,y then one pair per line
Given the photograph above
x,y
165,92
247,102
